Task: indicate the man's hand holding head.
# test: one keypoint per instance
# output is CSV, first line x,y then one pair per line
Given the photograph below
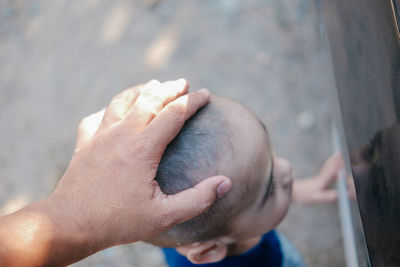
x,y
108,195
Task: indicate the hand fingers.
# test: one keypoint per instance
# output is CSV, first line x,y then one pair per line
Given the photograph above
x,y
351,189
330,169
120,105
88,127
194,201
153,98
171,119
332,163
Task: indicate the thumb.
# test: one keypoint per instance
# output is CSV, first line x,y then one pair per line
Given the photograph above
x,y
194,201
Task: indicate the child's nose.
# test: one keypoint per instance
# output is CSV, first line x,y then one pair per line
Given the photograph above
x,y
285,171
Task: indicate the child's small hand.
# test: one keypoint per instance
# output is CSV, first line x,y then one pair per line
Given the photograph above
x,y
318,189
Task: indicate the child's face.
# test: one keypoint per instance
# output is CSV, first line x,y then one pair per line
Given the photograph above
x,y
269,179
271,204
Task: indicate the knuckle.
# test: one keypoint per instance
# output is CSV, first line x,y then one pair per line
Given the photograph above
x,y
153,83
177,110
168,219
168,222
83,123
113,114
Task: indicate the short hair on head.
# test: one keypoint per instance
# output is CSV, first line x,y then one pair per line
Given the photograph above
x,y
213,142
195,154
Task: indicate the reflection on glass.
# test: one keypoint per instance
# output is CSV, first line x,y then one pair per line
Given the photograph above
x,y
376,168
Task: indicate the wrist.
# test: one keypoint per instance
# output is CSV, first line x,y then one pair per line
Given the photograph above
x,y
72,235
43,234
301,190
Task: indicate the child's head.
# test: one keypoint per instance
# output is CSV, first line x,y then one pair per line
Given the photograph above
x,y
224,138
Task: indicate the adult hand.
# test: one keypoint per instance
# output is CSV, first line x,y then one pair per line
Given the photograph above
x,y
318,189
108,195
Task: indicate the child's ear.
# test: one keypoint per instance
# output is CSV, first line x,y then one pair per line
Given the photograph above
x,y
207,252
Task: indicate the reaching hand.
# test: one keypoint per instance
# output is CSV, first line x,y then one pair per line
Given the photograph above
x,y
319,189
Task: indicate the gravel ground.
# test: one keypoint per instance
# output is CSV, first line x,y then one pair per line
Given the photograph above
x,y
62,60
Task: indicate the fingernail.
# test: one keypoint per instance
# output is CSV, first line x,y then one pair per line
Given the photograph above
x,y
223,188
204,91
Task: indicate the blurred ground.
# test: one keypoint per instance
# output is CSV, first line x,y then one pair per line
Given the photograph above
x,y
62,60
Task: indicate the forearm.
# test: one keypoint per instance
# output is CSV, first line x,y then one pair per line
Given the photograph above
x,y
42,234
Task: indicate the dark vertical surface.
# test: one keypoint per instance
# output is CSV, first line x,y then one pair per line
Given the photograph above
x,y
365,51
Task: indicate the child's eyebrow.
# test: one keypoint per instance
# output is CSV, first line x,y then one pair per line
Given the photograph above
x,y
269,186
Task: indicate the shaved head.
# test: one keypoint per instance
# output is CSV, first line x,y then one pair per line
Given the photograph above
x,y
223,138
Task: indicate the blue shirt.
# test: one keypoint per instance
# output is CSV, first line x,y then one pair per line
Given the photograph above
x,y
266,253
